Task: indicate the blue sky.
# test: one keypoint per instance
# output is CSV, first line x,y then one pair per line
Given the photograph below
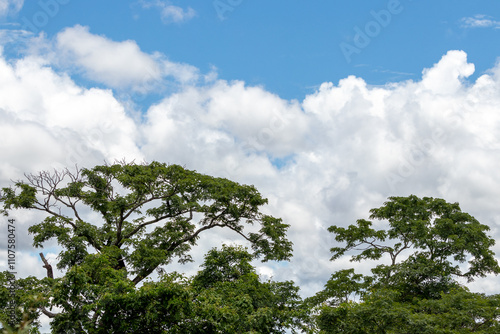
x,y
327,107
289,47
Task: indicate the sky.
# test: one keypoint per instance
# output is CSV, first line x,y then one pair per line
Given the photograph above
x,y
328,108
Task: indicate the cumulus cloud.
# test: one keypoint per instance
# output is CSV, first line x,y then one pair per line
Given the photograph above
x,y
480,21
119,64
8,7
342,150
324,160
49,121
170,13
245,120
447,76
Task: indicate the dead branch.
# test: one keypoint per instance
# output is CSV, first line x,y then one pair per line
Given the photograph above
x,y
48,266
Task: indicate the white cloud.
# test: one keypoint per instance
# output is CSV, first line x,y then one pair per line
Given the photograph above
x,y
48,121
176,14
480,21
446,77
119,64
170,13
341,151
8,7
349,146
240,124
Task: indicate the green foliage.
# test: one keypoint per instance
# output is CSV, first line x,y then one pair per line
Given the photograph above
x,y
378,313
456,312
438,236
156,307
429,243
24,301
148,216
227,265
22,328
230,298
341,288
234,303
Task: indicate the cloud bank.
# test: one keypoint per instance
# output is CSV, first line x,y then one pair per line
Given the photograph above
x,y
324,160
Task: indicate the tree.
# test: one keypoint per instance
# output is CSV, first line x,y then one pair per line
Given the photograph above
x,y
458,311
150,214
230,298
429,244
18,314
226,296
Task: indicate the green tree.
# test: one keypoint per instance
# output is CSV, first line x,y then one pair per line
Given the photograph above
x,y
162,306
19,310
458,311
149,215
230,298
226,296
429,244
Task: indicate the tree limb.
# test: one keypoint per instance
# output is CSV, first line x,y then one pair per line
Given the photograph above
x,y
47,313
145,273
48,266
156,220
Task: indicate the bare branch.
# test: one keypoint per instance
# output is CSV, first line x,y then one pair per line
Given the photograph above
x,y
66,219
50,274
48,266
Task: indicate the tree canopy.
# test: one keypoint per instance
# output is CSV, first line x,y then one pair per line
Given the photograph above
x,y
118,224
226,296
429,245
148,216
